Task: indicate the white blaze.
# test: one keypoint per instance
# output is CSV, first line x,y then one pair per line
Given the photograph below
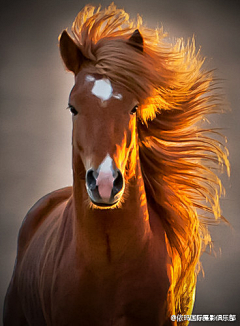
x,y
105,178
106,165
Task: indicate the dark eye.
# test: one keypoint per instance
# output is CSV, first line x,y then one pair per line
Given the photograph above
x,y
134,110
72,109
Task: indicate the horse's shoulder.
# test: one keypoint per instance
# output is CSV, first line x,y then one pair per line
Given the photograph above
x,y
38,213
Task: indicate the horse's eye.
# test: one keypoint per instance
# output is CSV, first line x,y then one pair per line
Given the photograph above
x,y
72,109
134,110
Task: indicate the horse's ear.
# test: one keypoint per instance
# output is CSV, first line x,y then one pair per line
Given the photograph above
x,y
70,53
136,40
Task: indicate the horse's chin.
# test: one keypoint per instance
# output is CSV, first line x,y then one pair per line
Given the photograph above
x,y
113,205
103,205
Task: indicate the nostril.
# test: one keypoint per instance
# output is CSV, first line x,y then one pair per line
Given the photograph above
x,y
117,184
90,179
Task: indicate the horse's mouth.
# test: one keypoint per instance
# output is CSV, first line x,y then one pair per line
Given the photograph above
x,y
99,202
104,205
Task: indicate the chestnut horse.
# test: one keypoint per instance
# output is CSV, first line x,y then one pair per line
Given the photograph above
x,y
122,246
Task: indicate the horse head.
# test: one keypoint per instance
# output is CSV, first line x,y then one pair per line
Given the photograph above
x,y
104,126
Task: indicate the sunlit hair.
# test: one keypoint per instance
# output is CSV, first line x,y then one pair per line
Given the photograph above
x,y
178,156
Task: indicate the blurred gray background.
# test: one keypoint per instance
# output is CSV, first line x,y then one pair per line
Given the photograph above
x,y
36,127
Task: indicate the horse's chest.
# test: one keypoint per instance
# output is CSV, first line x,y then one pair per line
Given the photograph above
x,y
132,292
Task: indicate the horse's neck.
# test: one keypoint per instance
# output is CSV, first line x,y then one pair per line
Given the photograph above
x,y
108,234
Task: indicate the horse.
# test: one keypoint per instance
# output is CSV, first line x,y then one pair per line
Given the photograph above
x,y
122,246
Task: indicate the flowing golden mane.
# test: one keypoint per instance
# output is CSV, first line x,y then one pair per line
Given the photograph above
x,y
178,157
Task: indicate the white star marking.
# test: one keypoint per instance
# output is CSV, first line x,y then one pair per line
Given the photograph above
x,y
102,89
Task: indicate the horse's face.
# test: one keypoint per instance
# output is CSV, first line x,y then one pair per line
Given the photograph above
x,y
104,126
104,135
